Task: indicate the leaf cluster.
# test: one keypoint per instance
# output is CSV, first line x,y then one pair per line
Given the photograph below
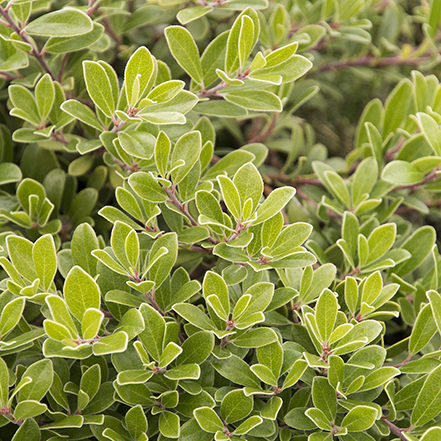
x,y
183,254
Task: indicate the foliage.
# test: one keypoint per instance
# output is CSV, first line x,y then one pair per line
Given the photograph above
x,y
218,220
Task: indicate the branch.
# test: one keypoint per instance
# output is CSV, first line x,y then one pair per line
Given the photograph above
x,y
152,300
59,137
111,32
305,197
213,91
63,66
25,37
183,210
395,429
10,77
268,132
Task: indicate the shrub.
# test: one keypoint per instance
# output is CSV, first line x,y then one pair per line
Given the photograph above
x,y
199,241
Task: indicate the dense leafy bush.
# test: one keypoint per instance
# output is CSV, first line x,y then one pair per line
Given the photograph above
x,y
204,236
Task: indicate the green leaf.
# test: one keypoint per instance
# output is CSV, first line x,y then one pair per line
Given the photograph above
x,y
81,112
401,173
230,195
187,149
379,377
41,373
170,352
107,260
191,431
252,422
295,373
160,269
9,173
81,292
169,424
365,178
338,187
271,356
99,87
60,314
318,418
75,42
208,419
91,323
67,22
209,207
435,304
132,249
90,383
237,371
326,314
321,436
154,332
136,421
187,15
28,431
381,240
213,284
43,253
359,418
166,91
11,315
139,75
433,433
249,185
419,245
230,163
246,39
297,419
397,107
372,288
23,100
162,153
428,403
146,187
274,203
431,131
57,331
184,50
360,335
195,316
423,330
45,96
236,405
137,144
324,397
258,100
134,377
291,69
271,408
111,344
256,338
84,241
196,348
28,409
20,253
232,60
264,374
4,383
132,323
184,372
